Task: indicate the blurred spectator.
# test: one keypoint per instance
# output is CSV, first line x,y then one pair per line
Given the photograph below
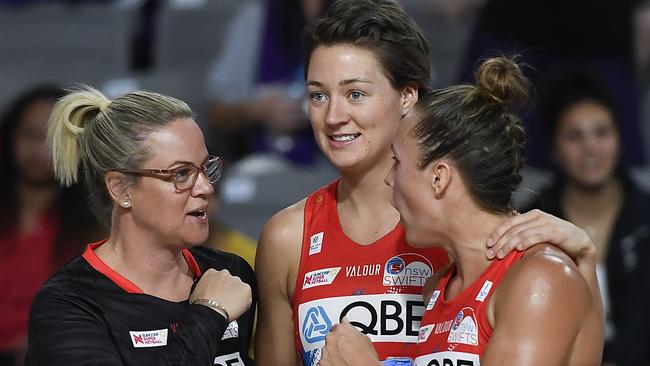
x,y
227,239
596,195
258,83
553,35
41,224
224,238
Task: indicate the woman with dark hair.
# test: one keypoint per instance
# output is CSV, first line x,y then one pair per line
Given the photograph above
x,y
594,192
457,159
341,251
41,224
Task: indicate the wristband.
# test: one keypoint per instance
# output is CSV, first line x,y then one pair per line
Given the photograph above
x,y
397,361
214,306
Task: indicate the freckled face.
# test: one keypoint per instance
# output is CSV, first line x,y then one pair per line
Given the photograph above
x,y
353,108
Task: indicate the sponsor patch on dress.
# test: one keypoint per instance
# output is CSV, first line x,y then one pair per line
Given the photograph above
x,y
485,291
320,277
149,338
316,243
433,299
232,331
424,333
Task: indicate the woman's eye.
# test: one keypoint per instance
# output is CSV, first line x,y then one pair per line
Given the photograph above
x,y
182,174
356,95
317,96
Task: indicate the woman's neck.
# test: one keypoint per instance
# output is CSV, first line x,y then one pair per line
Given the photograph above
x,y
364,205
156,269
467,236
365,190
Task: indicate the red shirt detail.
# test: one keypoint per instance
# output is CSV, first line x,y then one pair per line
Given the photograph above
x,y
457,331
378,287
191,263
128,286
25,264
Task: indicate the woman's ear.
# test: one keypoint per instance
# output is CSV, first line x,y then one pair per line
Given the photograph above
x,y
409,98
118,189
440,177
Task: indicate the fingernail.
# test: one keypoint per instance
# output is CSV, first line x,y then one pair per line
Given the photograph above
x,y
489,242
500,254
345,320
490,253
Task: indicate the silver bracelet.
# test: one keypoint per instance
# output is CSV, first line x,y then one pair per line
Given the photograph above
x,y
214,306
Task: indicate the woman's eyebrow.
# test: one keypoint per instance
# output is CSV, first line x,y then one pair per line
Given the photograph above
x,y
354,80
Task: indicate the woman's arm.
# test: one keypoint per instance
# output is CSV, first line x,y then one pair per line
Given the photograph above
x,y
538,313
524,231
68,331
276,265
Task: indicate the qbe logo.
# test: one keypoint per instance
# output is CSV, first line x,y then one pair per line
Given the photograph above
x,y
316,324
448,358
232,359
382,317
408,269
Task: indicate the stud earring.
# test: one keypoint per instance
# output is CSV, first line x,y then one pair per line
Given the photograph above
x,y
126,204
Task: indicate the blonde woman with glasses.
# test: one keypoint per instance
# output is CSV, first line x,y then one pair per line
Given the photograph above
x,y
149,293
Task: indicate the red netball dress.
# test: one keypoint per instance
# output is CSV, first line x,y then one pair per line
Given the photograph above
x,y
377,287
456,332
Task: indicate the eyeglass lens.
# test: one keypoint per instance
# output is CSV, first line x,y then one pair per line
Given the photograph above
x,y
186,177
213,170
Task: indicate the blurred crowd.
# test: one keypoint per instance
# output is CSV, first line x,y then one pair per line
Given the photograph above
x,y
240,65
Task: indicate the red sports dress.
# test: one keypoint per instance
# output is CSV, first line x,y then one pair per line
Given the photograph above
x,y
456,332
378,287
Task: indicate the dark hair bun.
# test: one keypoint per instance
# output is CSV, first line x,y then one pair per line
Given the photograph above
x,y
503,80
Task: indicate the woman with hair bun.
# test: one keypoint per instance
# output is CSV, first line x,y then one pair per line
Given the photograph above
x,y
340,252
457,159
149,294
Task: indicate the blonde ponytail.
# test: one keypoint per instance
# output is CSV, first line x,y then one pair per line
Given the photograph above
x,y
66,126
91,134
